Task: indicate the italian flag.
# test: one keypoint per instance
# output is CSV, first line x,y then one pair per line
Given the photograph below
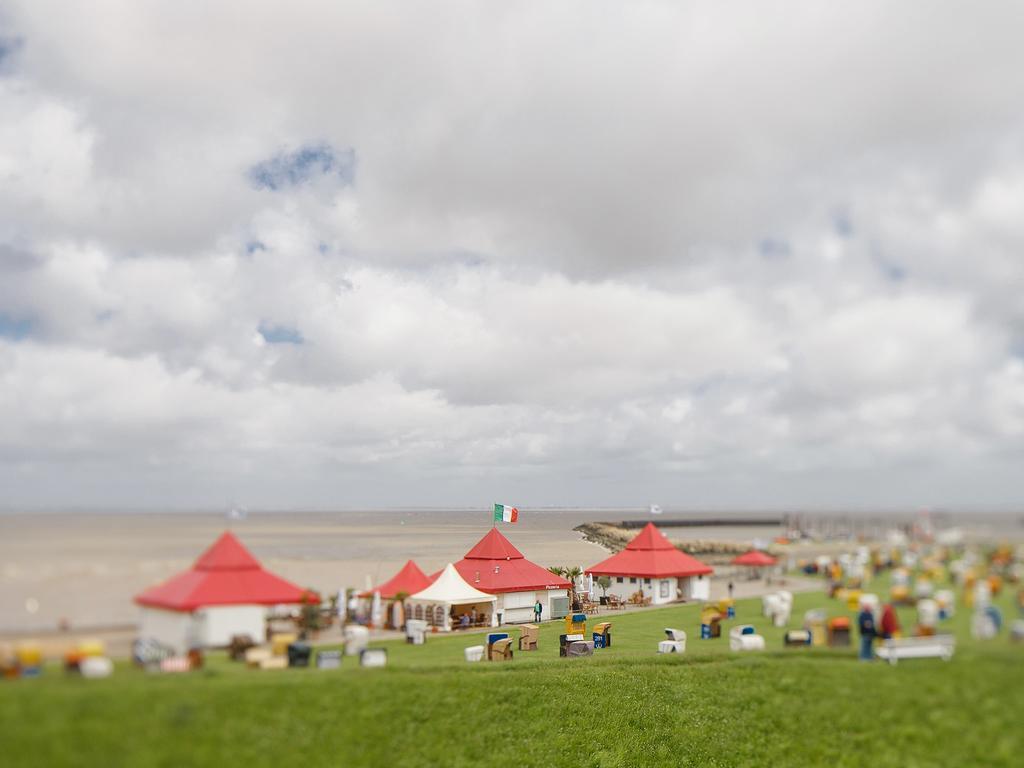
x,y
505,513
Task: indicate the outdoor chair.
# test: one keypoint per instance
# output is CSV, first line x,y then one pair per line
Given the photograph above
x,y
239,645
576,623
329,659
838,631
529,634
675,642
373,657
602,635
501,650
743,638
579,648
356,639
564,641
299,654
797,638
279,642
415,631
495,637
255,656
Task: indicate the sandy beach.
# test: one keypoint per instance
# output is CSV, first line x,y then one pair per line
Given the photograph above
x,y
85,567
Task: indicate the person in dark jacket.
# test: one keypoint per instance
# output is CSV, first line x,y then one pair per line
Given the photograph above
x,y
866,624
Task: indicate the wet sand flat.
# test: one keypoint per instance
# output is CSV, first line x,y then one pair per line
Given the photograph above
x,y
85,567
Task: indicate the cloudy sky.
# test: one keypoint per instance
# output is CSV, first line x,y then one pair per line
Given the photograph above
x,y
712,254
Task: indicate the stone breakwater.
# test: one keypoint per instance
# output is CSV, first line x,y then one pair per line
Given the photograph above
x,y
614,538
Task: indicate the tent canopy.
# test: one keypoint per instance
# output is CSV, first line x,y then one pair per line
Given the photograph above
x,y
410,580
494,565
754,558
451,589
650,555
225,574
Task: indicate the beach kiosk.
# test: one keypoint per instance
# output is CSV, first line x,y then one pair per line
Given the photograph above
x,y
450,593
756,561
651,565
225,594
496,567
408,581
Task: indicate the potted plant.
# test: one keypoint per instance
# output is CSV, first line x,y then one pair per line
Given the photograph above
x,y
309,615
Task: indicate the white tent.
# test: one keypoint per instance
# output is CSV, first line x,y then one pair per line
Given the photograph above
x,y
450,589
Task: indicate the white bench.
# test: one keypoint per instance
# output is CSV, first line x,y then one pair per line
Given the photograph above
x,y
936,646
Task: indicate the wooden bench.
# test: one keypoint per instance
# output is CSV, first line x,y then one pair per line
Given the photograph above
x,y
936,646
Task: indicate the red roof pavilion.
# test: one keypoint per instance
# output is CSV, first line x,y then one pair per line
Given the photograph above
x,y
409,580
755,558
493,565
650,555
225,574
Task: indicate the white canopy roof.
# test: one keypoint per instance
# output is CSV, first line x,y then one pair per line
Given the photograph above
x,y
452,589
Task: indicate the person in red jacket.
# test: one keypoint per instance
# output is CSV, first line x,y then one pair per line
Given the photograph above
x,y
890,622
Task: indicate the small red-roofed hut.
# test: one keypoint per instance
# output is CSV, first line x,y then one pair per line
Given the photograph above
x,y
652,565
226,592
408,581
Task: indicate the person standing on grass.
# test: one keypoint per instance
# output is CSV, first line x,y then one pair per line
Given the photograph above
x,y
538,609
866,624
730,590
890,622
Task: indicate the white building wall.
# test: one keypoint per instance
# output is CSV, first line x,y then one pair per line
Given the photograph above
x,y
517,607
207,627
217,624
174,629
661,591
698,588
548,595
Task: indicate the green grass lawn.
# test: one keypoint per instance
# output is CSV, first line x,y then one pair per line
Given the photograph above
x,y
626,706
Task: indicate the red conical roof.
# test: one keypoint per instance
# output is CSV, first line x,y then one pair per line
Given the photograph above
x,y
755,558
410,580
226,554
494,546
650,538
494,565
650,555
225,574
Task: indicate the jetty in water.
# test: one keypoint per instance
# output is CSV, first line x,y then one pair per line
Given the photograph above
x,y
705,522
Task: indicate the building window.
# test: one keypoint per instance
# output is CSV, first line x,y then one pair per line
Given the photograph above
x,y
663,588
647,582
632,579
618,579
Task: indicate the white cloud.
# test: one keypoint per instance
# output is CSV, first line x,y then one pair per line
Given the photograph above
x,y
590,255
